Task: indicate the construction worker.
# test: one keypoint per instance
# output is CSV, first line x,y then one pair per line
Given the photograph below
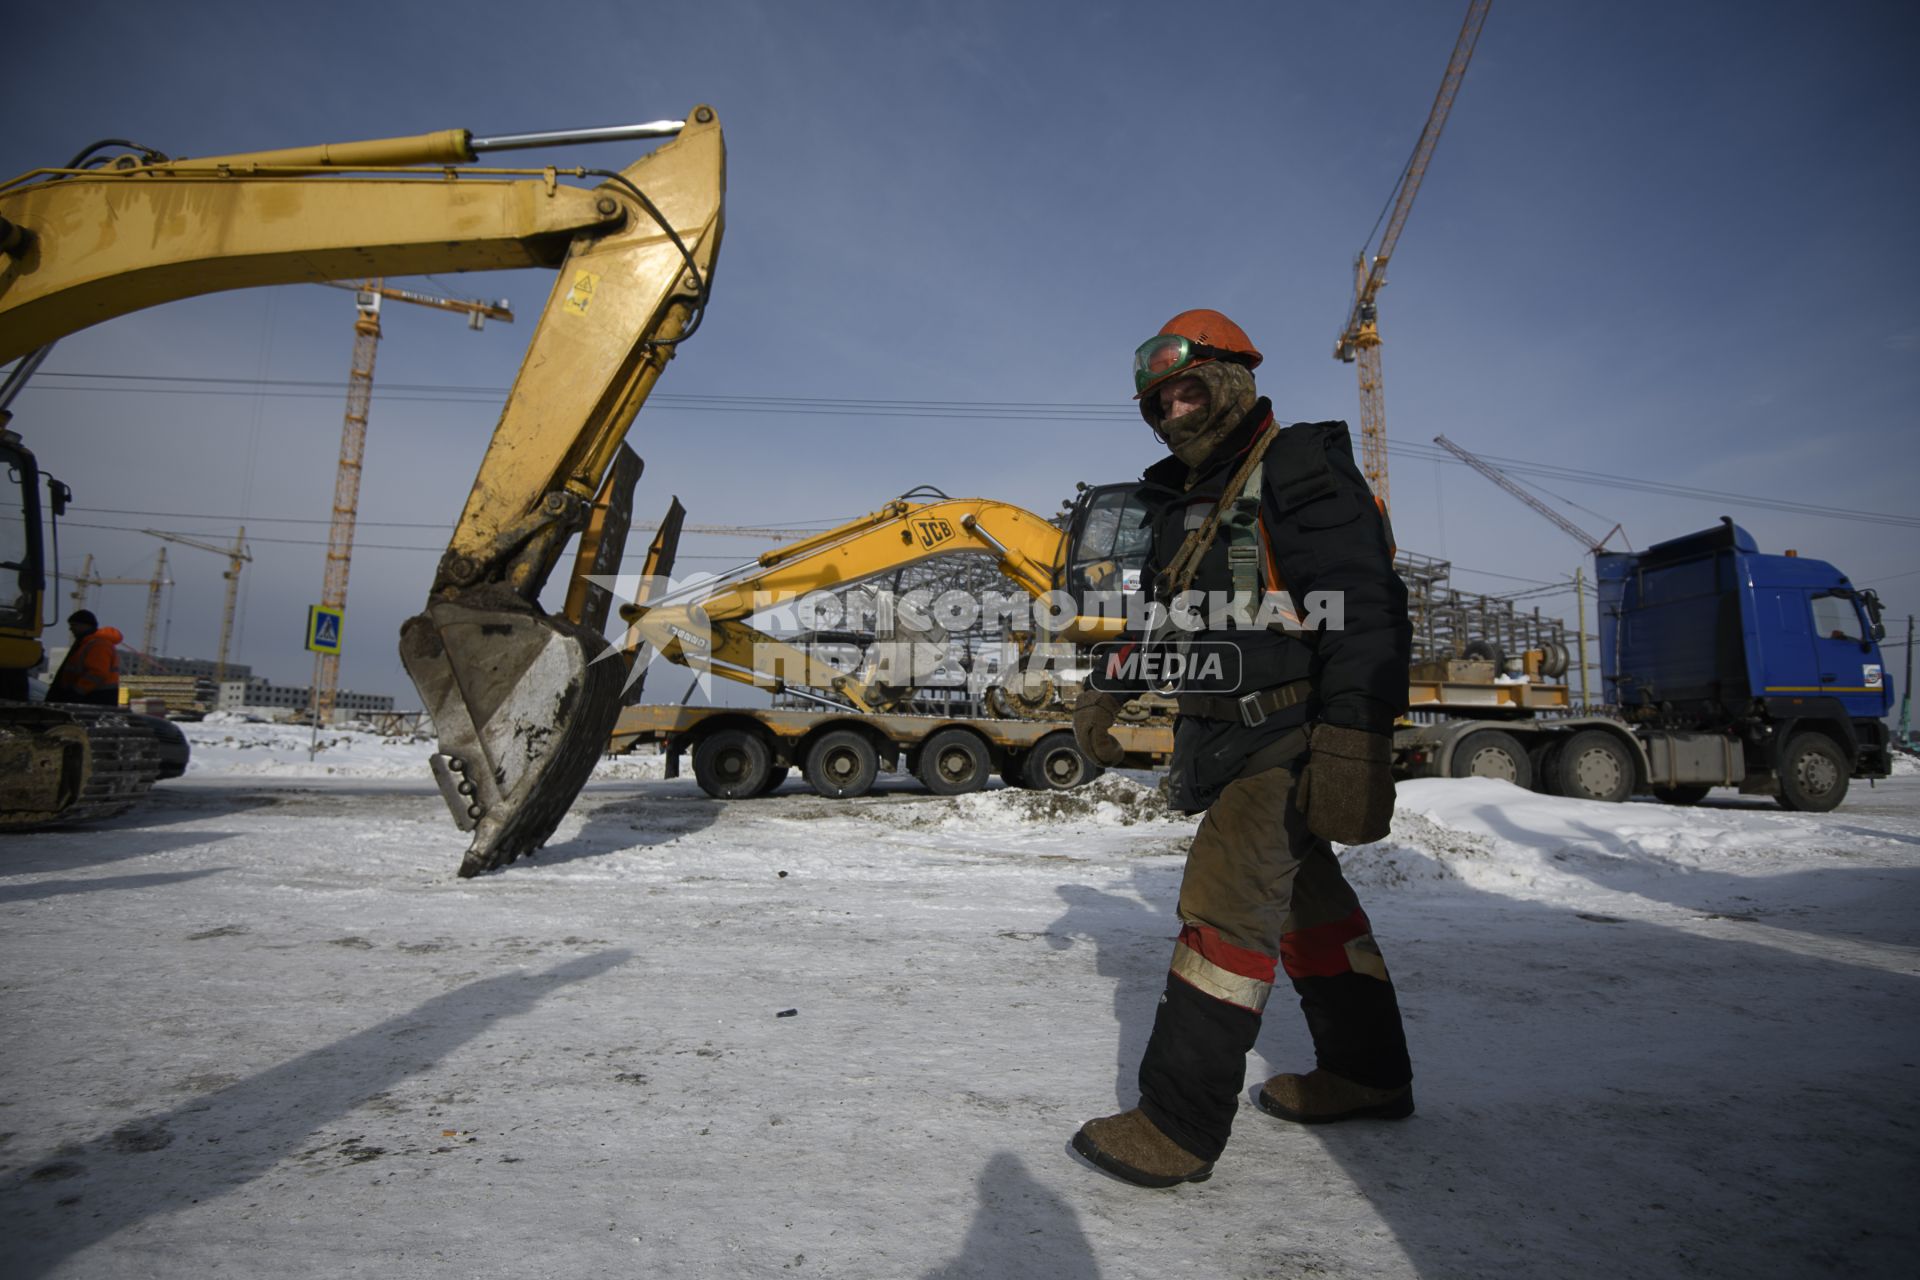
x,y
91,670
1284,755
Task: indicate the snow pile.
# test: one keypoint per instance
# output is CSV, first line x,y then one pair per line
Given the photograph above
x,y
230,744
1111,800
226,744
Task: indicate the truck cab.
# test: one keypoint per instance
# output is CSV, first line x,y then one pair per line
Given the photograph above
x,y
1707,633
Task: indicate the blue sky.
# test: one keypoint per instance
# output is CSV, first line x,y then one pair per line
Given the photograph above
x,y
1660,242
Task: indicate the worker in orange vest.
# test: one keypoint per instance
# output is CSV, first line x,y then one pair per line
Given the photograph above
x,y
90,672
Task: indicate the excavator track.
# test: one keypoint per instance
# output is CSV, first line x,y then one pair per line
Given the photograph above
x,y
62,764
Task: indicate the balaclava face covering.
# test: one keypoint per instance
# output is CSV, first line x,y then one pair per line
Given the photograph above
x,y
1194,436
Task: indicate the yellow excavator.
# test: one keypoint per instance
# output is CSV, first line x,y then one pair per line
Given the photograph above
x,y
520,706
1088,569
1084,570
1093,563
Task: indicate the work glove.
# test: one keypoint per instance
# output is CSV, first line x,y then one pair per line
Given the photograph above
x,y
1346,786
1093,716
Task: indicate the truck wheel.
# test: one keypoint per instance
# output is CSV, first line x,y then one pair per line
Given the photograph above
x,y
1544,754
731,764
1013,769
954,762
842,764
775,776
1594,766
1055,764
1813,774
1685,793
1489,753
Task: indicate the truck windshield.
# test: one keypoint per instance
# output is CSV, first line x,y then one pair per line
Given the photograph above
x,y
1835,617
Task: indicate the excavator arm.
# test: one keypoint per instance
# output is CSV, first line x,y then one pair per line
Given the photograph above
x,y
710,630
519,701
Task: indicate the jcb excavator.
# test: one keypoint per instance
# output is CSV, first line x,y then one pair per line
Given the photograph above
x,y
864,718
520,706
1094,562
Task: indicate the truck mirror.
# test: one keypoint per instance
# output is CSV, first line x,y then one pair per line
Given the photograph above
x,y
1871,599
59,496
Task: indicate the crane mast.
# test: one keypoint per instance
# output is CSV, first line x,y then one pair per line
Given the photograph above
x,y
237,555
353,447
1359,340
156,587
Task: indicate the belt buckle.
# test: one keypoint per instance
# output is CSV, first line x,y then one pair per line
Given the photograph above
x,y
1252,714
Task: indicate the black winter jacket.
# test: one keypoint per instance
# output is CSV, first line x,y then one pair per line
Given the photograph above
x,y
1326,534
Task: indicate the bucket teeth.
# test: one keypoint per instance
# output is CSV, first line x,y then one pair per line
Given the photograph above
x,y
522,708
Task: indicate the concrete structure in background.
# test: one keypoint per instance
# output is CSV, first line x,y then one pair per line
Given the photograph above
x,y
242,688
264,695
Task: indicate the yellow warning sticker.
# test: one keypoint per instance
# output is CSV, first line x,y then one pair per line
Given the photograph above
x,y
580,296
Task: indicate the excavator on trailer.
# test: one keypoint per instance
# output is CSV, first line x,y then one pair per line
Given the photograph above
x,y
1094,562
520,705
1085,572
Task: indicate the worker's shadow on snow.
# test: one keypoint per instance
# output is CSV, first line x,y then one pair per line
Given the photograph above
x,y
1132,937
1019,1228
59,1203
1817,898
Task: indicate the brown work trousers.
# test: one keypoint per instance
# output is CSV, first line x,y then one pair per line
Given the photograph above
x,y
1264,883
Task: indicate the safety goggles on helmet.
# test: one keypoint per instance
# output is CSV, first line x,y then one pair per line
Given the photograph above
x,y
1162,356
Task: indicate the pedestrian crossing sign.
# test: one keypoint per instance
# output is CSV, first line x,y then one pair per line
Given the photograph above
x,y
323,628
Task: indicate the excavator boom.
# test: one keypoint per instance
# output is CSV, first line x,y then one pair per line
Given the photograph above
x,y
521,706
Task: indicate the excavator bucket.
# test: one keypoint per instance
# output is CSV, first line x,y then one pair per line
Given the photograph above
x,y
522,705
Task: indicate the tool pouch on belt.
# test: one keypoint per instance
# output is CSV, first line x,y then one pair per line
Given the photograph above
x,y
1209,754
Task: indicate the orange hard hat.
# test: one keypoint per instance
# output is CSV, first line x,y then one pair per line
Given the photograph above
x,y
1189,339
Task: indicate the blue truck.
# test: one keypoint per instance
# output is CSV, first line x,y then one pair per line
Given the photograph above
x,y
1722,666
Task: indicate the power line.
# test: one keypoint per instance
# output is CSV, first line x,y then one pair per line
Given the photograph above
x,y
967,410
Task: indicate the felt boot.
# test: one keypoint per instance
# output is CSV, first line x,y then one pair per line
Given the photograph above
x,y
1320,1097
1128,1146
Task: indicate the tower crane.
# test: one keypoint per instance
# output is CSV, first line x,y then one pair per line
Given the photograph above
x,y
353,440
156,585
1359,339
1513,487
237,555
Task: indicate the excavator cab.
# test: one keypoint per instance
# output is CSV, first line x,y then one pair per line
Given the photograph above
x,y
22,578
1108,539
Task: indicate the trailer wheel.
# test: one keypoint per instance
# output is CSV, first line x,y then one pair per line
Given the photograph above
x,y
1055,764
1683,793
776,775
954,762
1594,766
732,764
1544,755
1489,753
1813,774
842,764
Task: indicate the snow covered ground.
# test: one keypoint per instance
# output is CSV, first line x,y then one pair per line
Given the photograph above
x,y
259,1028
